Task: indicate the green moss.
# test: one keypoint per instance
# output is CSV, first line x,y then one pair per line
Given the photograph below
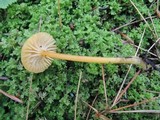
x,y
53,91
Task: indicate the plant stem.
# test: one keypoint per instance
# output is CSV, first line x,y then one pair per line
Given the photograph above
x,y
29,95
104,84
11,96
137,111
77,93
59,13
111,60
135,104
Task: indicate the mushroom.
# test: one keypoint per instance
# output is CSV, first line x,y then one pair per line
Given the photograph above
x,y
40,49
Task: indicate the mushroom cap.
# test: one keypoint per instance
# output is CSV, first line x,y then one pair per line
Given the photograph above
x,y
31,56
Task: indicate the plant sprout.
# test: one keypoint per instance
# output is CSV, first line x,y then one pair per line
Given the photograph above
x,y
40,49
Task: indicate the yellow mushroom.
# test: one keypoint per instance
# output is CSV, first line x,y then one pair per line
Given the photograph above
x,y
39,50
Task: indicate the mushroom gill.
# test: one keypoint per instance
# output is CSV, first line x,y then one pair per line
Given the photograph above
x,y
31,56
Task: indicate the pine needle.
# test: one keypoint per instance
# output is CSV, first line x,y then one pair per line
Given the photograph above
x,y
76,100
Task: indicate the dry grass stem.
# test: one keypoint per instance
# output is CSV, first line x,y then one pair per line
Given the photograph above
x,y
153,45
30,91
156,35
141,15
59,13
128,85
140,42
157,4
152,91
131,23
3,78
144,49
104,84
117,96
99,115
137,111
11,96
76,100
40,24
135,104
103,117
94,109
91,105
157,9
120,89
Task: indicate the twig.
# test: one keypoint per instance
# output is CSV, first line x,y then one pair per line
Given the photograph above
x,y
152,91
104,83
127,24
141,15
90,108
129,41
157,7
140,42
135,104
36,106
137,111
3,78
99,115
128,85
115,100
132,22
144,49
76,100
153,45
30,89
117,96
11,96
103,117
59,13
94,109
40,24
157,4
156,35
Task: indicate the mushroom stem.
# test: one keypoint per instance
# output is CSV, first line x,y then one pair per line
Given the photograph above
x,y
112,60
